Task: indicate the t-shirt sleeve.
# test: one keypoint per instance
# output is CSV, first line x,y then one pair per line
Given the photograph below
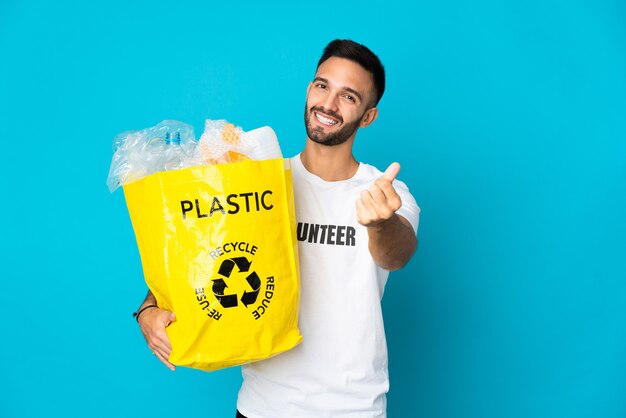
x,y
409,210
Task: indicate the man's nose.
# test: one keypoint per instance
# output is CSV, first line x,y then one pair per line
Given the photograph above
x,y
330,102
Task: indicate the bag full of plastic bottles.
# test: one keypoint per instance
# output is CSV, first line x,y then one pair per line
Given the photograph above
x,y
214,221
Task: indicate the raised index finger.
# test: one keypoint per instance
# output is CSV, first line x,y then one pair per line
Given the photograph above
x,y
391,172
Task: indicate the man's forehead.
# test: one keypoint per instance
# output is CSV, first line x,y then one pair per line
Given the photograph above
x,y
342,72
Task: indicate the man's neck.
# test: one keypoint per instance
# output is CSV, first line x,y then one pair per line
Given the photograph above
x,y
331,163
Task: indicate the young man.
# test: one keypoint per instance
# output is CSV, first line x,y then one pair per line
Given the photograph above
x,y
355,224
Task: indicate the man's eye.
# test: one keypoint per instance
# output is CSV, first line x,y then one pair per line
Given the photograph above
x,y
320,86
350,98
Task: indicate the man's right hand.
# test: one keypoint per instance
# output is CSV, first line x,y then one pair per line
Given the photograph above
x,y
153,323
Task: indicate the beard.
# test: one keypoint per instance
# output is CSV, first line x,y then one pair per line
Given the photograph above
x,y
316,134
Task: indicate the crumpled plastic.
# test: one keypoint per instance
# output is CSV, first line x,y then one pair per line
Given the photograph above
x,y
171,145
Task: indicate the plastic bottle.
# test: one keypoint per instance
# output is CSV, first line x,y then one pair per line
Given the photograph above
x,y
175,156
139,153
262,144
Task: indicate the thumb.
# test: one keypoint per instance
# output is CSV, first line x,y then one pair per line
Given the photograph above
x,y
391,172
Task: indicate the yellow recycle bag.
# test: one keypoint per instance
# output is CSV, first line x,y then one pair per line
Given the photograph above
x,y
218,248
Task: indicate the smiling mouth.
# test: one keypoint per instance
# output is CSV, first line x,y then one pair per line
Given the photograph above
x,y
325,120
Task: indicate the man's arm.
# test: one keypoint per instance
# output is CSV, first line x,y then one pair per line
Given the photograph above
x,y
153,322
392,240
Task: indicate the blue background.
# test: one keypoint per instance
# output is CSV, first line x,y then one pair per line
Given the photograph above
x,y
509,120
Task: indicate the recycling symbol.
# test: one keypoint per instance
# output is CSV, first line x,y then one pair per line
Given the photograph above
x,y
226,269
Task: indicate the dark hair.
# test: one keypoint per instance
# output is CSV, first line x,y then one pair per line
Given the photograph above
x,y
362,55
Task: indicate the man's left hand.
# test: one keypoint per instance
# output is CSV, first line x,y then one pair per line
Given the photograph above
x,y
380,202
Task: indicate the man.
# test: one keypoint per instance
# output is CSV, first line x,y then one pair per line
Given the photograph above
x,y
340,368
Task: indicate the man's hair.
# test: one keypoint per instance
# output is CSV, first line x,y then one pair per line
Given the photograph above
x,y
362,55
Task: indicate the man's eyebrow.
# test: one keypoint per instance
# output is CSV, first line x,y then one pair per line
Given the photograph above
x,y
350,89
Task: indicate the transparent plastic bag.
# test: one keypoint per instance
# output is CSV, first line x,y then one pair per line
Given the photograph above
x,y
170,145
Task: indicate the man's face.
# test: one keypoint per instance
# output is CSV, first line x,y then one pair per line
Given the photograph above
x,y
338,101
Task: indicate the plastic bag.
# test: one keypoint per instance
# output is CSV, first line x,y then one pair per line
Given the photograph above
x,y
136,154
218,248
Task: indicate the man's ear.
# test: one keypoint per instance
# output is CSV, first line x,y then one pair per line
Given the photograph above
x,y
369,117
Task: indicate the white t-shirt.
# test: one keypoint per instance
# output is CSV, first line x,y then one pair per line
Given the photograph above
x,y
340,367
